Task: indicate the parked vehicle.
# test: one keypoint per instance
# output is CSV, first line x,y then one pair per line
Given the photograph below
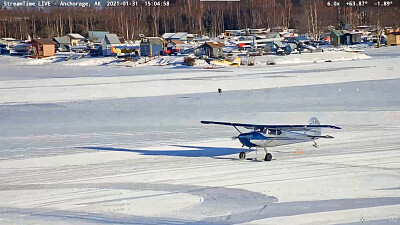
x,y
21,49
172,50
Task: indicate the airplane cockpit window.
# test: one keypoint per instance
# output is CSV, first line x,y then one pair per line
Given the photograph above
x,y
265,130
274,132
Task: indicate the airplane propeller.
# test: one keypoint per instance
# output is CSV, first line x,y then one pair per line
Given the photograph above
x,y
238,137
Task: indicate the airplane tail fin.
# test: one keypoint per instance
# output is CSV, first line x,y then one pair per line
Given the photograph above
x,y
314,131
313,121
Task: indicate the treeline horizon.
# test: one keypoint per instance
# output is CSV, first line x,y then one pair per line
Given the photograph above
x,y
193,16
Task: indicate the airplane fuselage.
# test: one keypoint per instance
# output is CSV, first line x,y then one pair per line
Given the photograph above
x,y
274,138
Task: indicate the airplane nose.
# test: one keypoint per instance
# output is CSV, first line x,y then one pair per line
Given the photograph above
x,y
242,139
245,140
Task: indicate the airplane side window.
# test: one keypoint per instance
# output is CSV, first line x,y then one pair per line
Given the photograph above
x,y
275,132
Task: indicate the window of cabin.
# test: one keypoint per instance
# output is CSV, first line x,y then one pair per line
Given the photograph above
x,y
274,131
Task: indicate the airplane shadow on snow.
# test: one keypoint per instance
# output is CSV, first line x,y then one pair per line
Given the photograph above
x,y
196,151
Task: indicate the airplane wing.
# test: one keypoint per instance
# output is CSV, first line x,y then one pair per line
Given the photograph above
x,y
281,127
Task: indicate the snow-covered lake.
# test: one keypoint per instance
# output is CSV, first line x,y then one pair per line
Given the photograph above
x,y
106,144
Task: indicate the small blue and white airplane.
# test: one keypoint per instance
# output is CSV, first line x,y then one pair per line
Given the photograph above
x,y
276,135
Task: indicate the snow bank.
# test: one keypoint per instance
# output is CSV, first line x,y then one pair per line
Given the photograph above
x,y
31,62
316,57
101,61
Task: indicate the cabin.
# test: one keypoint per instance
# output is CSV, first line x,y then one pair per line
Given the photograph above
x,y
151,46
107,44
43,47
336,37
213,49
351,38
75,39
344,37
62,44
393,38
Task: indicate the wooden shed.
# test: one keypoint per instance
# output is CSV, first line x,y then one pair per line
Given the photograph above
x,y
43,47
393,38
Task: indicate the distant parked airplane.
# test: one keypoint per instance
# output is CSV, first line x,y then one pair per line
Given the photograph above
x,y
275,135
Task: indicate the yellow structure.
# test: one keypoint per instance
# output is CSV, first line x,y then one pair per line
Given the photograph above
x,y
393,38
224,62
75,39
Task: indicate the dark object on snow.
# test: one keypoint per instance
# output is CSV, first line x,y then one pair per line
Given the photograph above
x,y
189,61
219,91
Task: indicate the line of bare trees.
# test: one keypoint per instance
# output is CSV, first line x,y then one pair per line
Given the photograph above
x,y
210,18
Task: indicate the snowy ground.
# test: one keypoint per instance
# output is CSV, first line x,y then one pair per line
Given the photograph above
x,y
107,144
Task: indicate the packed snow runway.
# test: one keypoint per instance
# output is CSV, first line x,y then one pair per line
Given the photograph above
x,y
125,149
